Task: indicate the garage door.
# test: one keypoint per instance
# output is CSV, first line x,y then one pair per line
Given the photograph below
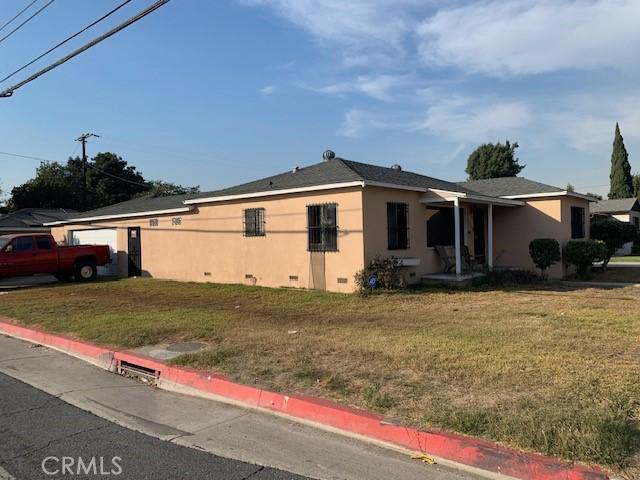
x,y
102,236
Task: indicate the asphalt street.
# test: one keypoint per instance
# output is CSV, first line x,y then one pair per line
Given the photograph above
x,y
36,427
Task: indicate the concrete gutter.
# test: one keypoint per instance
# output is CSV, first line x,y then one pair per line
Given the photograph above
x,y
448,448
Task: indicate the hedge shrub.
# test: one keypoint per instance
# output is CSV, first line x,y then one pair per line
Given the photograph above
x,y
387,273
614,234
582,254
544,252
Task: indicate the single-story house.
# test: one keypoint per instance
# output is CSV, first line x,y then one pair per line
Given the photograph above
x,y
32,220
623,209
315,227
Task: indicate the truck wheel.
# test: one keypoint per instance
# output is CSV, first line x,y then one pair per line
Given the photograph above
x,y
86,271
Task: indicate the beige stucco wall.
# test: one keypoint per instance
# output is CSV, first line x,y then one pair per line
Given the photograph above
x,y
209,244
514,228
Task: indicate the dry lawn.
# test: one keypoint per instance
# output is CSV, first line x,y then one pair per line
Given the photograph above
x,y
542,369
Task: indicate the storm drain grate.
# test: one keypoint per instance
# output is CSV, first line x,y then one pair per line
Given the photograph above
x,y
142,374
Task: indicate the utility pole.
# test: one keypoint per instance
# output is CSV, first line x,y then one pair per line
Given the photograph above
x,y
83,139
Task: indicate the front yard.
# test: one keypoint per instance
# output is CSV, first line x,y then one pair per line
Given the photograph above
x,y
552,370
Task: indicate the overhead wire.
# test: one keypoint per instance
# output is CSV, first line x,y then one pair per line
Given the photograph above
x,y
9,91
66,40
9,22
37,12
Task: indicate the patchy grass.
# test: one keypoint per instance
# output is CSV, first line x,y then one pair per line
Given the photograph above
x,y
551,370
616,274
627,258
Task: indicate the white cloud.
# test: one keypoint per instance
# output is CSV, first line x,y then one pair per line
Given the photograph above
x,y
465,119
268,90
357,122
532,37
354,25
379,87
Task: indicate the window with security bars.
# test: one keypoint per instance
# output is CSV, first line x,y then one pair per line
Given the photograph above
x,y
254,222
322,227
397,226
577,222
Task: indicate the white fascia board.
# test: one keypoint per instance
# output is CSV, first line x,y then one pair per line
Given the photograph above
x,y
562,193
122,215
368,183
450,196
315,188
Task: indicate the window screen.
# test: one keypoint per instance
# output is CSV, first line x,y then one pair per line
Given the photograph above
x,y
397,226
577,222
322,227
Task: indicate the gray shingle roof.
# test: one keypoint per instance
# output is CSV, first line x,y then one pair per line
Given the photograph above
x,y
613,206
508,186
33,217
336,170
137,205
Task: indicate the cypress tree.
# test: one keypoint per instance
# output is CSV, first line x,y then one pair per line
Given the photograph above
x,y
621,179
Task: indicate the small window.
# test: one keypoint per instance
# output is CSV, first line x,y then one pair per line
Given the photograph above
x,y
23,244
254,222
577,222
397,226
322,227
43,242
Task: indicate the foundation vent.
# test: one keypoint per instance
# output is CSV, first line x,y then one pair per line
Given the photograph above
x,y
342,280
293,278
207,274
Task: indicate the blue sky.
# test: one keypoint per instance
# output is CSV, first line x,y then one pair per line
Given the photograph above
x,y
214,93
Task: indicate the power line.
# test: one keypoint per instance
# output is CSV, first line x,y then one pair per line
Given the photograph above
x,y
17,15
9,91
26,21
26,156
66,40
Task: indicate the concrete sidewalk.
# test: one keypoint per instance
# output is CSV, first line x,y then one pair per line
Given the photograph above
x,y
221,429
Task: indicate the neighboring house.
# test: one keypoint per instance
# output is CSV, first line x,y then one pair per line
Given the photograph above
x,y
315,227
32,220
623,209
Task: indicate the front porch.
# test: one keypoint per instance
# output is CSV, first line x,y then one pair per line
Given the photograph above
x,y
466,248
464,280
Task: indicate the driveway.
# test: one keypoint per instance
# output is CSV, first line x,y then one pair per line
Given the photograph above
x,y
24,282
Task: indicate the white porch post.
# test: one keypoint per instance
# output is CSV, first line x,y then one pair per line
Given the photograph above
x,y
490,235
456,221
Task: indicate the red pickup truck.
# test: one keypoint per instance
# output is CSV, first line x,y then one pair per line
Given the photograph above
x,y
28,254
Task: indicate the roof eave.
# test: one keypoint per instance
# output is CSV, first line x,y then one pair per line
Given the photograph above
x,y
559,193
119,216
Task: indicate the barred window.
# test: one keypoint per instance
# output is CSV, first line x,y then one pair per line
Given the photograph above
x,y
323,228
254,222
397,226
577,222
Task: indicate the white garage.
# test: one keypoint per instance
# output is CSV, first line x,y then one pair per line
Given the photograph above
x,y
99,236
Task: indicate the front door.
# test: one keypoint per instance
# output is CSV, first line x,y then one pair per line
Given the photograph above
x,y
479,245
134,252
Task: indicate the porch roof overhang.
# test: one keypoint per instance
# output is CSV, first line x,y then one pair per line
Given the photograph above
x,y
447,196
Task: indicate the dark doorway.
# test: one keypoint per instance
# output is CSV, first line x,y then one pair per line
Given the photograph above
x,y
134,252
479,245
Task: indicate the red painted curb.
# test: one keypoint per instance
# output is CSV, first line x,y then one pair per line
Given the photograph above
x,y
450,446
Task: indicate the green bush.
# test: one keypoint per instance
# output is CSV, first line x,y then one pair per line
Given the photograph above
x,y
614,234
582,254
544,253
635,250
387,273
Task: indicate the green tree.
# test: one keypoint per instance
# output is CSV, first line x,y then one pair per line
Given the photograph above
x,y
594,195
636,185
158,188
620,178
110,179
493,160
614,234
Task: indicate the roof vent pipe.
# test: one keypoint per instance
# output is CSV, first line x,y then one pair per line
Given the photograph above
x,y
328,155
395,166
295,169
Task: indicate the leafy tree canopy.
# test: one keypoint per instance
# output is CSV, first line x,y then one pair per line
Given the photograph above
x,y
621,181
636,185
614,234
110,179
493,160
